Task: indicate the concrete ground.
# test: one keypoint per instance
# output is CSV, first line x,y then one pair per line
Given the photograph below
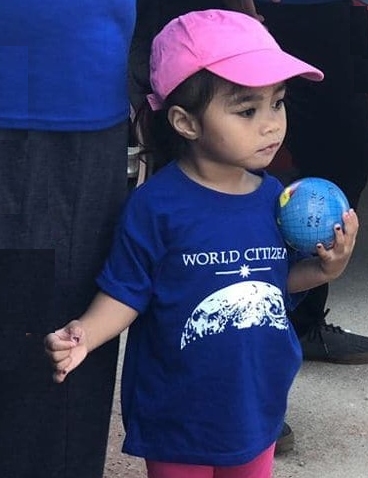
x,y
328,406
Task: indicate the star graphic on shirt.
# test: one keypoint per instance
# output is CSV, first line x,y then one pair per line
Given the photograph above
x,y
244,271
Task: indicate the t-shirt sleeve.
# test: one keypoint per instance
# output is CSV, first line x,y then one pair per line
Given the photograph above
x,y
129,271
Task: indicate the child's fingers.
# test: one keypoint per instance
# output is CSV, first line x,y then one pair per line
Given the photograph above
x,y
322,252
345,237
351,222
72,331
339,237
59,376
54,342
62,365
65,338
66,349
57,357
67,363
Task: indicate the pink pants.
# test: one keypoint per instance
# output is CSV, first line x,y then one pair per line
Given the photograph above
x,y
259,467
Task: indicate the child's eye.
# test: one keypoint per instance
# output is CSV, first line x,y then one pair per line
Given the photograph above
x,y
279,104
249,113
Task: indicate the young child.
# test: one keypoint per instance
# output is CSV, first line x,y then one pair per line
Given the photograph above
x,y
199,270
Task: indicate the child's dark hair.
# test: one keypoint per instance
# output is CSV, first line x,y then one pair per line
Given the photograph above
x,y
156,135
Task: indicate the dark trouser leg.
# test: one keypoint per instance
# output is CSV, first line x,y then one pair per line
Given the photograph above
x,y
152,16
68,204
147,25
310,311
328,121
359,47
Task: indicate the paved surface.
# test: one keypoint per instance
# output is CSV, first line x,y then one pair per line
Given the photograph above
x,y
328,406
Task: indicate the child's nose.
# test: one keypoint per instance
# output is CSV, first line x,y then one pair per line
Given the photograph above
x,y
270,125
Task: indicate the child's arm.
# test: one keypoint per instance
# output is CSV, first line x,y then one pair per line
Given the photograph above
x,y
105,319
329,264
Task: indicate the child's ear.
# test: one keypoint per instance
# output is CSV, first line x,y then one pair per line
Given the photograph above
x,y
183,122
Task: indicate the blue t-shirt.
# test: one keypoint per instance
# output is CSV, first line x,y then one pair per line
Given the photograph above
x,y
64,64
212,355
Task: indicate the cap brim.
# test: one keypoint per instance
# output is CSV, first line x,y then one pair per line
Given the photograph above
x,y
263,68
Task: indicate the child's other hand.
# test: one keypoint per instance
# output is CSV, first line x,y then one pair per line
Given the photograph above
x,y
67,348
334,260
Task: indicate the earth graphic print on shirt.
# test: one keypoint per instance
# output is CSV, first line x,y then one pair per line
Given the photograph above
x,y
241,305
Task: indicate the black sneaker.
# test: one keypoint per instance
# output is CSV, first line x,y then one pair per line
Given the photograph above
x,y
330,343
285,441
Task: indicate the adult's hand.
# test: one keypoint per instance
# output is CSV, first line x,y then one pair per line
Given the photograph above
x,y
244,6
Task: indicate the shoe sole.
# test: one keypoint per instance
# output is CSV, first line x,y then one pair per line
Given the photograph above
x,y
285,444
348,360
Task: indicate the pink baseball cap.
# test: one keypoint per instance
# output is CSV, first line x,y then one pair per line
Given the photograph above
x,y
230,44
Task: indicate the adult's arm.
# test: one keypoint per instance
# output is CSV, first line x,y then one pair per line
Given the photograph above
x,y
245,6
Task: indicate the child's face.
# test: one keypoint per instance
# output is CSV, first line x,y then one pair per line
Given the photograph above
x,y
243,127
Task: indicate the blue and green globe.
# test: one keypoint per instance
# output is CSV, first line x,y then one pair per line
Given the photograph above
x,y
307,212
